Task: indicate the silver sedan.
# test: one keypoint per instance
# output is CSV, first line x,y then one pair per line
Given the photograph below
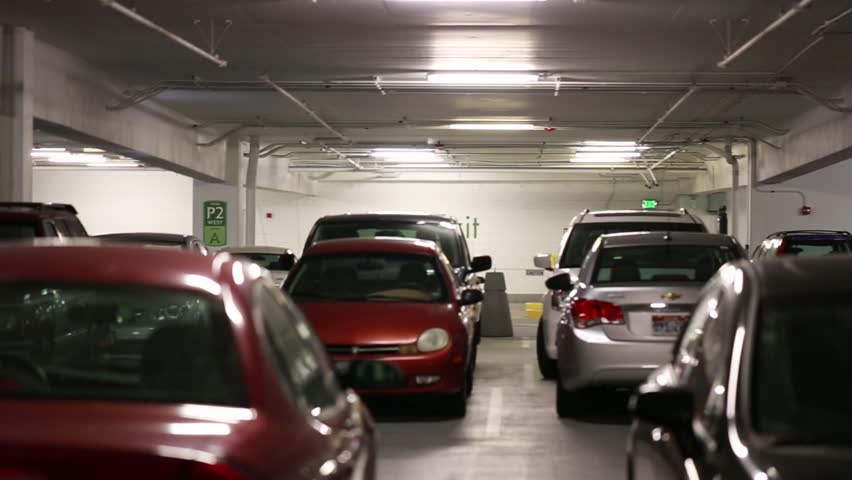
x,y
631,301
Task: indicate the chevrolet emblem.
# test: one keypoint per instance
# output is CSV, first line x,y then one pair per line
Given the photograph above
x,y
671,296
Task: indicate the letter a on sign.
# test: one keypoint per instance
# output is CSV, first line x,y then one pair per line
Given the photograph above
x,y
215,223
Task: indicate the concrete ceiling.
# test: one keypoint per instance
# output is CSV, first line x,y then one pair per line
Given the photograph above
x,y
328,53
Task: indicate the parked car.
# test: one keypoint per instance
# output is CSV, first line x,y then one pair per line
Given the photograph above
x,y
442,229
159,240
277,260
804,243
396,302
165,364
25,220
576,243
632,298
757,386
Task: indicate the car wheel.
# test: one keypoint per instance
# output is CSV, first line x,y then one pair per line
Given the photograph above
x,y
568,402
469,380
477,333
546,365
455,405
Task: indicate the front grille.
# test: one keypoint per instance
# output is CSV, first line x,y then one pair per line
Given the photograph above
x,y
361,349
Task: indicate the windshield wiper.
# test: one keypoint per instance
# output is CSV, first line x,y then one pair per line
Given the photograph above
x,y
325,296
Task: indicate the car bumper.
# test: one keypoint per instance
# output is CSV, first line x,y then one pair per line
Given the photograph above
x,y
589,358
447,365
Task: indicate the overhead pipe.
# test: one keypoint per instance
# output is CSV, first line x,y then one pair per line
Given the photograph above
x,y
304,108
494,168
827,103
343,156
153,26
798,7
222,137
668,112
251,190
820,33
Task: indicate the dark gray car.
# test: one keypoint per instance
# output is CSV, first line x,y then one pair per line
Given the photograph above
x,y
758,385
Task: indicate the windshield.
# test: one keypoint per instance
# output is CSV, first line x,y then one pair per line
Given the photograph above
x,y
444,234
116,344
583,236
814,245
803,355
269,261
368,277
17,231
661,263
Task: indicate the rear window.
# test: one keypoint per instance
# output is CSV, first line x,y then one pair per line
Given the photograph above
x,y
114,344
583,236
17,231
811,246
269,261
802,355
368,277
444,234
661,263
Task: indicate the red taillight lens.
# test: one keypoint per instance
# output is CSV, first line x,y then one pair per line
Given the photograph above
x,y
588,313
215,471
556,298
781,248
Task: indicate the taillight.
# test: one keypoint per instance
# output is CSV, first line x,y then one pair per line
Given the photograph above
x,y
215,471
588,313
781,248
557,297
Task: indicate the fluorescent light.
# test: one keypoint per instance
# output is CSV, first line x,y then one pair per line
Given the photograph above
x,y
493,126
612,144
607,155
483,78
93,150
48,149
379,152
600,160
471,1
613,148
408,157
112,164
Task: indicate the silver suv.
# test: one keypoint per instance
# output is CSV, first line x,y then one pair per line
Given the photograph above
x,y
576,242
631,301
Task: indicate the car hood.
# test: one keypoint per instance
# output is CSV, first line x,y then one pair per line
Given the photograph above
x,y
372,323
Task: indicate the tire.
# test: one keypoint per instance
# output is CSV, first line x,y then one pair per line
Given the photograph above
x,y
546,365
569,403
477,333
455,405
469,377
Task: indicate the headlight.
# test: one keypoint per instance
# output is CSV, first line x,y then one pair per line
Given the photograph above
x,y
433,340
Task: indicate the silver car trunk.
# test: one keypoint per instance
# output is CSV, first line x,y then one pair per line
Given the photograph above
x,y
652,313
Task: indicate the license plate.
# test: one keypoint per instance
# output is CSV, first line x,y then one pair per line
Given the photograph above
x,y
667,325
342,366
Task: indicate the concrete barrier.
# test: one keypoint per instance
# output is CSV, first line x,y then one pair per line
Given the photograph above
x,y
495,317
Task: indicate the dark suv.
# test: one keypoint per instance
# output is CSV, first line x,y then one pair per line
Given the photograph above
x,y
23,220
443,230
804,243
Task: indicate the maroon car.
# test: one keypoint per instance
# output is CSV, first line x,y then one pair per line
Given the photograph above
x,y
396,303
123,362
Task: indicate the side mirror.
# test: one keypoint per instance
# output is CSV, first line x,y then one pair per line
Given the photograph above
x,y
542,260
287,261
561,281
669,407
480,264
471,296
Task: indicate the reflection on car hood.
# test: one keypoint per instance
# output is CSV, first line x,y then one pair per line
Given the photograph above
x,y
816,462
376,323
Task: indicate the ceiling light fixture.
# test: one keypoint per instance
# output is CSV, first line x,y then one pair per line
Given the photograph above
x,y
48,149
471,1
493,126
611,144
483,78
93,150
600,160
607,155
613,148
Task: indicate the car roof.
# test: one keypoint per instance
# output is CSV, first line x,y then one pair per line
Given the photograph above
x,y
386,216
672,216
799,276
664,238
257,249
412,246
95,262
38,207
805,233
146,237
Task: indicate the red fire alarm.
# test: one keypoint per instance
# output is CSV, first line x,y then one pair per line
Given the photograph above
x,y
805,210
268,215
549,129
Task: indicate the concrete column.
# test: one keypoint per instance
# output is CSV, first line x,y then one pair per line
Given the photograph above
x,y
217,206
251,190
16,113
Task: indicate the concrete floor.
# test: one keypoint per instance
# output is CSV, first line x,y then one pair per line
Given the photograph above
x,y
511,430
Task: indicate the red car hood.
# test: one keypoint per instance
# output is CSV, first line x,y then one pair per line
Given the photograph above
x,y
377,323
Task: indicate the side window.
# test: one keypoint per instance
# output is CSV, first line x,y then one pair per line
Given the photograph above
x,y
76,228
50,230
62,228
297,353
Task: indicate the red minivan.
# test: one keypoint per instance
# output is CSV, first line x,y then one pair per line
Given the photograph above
x,y
395,303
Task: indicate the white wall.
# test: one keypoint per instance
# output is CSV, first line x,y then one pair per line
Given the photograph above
x,y
515,220
826,190
119,200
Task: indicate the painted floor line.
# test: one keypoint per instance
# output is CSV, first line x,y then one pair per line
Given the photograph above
x,y
495,413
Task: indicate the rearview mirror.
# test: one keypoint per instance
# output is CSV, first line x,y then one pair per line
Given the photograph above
x,y
542,260
560,281
669,407
471,296
480,264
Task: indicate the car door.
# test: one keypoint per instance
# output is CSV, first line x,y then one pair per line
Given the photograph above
x,y
306,376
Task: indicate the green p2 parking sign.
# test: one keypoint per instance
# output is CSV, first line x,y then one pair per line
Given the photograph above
x,y
215,223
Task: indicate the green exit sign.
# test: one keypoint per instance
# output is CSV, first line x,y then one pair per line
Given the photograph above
x,y
649,204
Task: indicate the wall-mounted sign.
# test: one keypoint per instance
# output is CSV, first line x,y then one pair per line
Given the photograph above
x,y
215,223
649,204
